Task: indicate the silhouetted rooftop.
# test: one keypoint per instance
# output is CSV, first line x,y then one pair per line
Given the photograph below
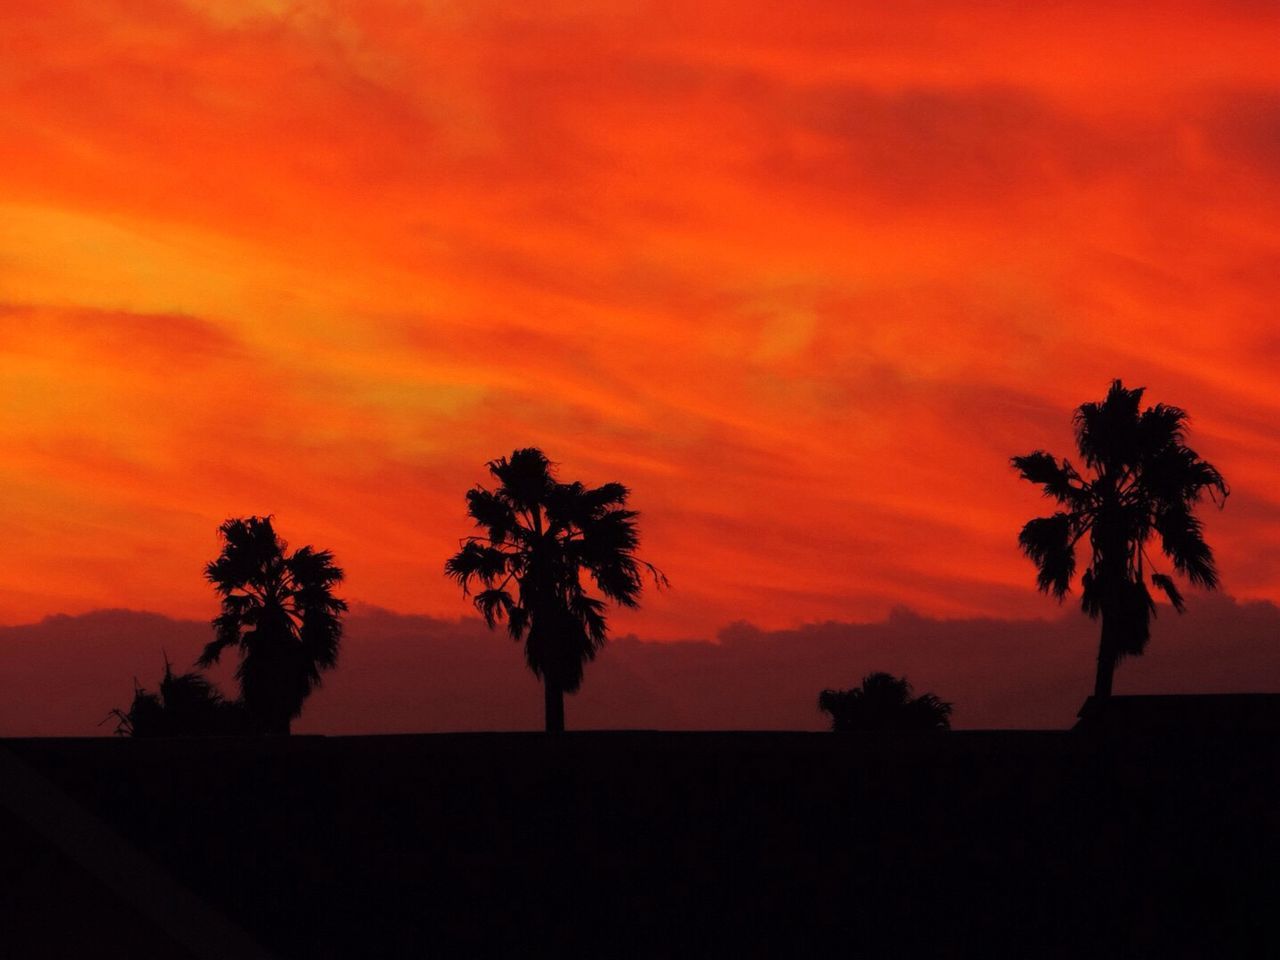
x,y
657,844
1223,713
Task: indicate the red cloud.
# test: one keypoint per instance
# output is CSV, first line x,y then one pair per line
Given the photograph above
x,y
413,674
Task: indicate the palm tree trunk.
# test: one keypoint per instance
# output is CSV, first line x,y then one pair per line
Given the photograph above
x,y
553,699
1106,659
1113,574
1102,680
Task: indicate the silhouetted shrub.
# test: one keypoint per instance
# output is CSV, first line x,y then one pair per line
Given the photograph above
x,y
186,705
883,703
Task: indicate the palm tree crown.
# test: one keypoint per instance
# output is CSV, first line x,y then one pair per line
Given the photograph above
x,y
548,539
279,610
883,703
1140,480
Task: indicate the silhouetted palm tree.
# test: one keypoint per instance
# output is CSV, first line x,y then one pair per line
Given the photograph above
x,y
278,608
1141,480
544,536
883,703
186,705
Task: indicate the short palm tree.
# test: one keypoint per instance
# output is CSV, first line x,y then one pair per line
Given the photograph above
x,y
884,704
547,539
279,610
1140,480
185,705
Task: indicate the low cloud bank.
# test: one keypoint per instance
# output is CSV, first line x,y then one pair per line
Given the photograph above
x,y
402,673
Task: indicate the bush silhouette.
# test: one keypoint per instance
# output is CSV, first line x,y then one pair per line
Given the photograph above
x,y
185,705
883,704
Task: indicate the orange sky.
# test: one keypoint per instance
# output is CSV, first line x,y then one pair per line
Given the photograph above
x,y
803,276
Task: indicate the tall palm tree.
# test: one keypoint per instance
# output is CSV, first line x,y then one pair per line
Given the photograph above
x,y
279,610
1140,480
883,703
546,538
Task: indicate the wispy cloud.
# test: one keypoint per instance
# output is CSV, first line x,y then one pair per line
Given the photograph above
x,y
804,278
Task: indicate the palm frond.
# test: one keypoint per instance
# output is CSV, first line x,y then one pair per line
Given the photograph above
x,y
1182,539
494,605
1132,618
1107,433
1060,481
1165,583
608,495
1091,594
250,544
1162,426
226,633
313,570
610,532
1047,542
477,561
493,512
574,505
1177,474
517,621
606,548
320,634
526,476
590,612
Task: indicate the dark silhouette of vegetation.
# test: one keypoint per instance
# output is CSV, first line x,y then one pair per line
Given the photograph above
x,y
546,537
884,704
279,610
1141,480
185,705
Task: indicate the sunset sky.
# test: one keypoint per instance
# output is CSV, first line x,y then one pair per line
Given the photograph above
x,y
802,275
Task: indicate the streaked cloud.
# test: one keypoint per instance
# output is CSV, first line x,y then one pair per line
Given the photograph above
x,y
804,278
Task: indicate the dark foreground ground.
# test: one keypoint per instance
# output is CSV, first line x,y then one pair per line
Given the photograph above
x,y
653,845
